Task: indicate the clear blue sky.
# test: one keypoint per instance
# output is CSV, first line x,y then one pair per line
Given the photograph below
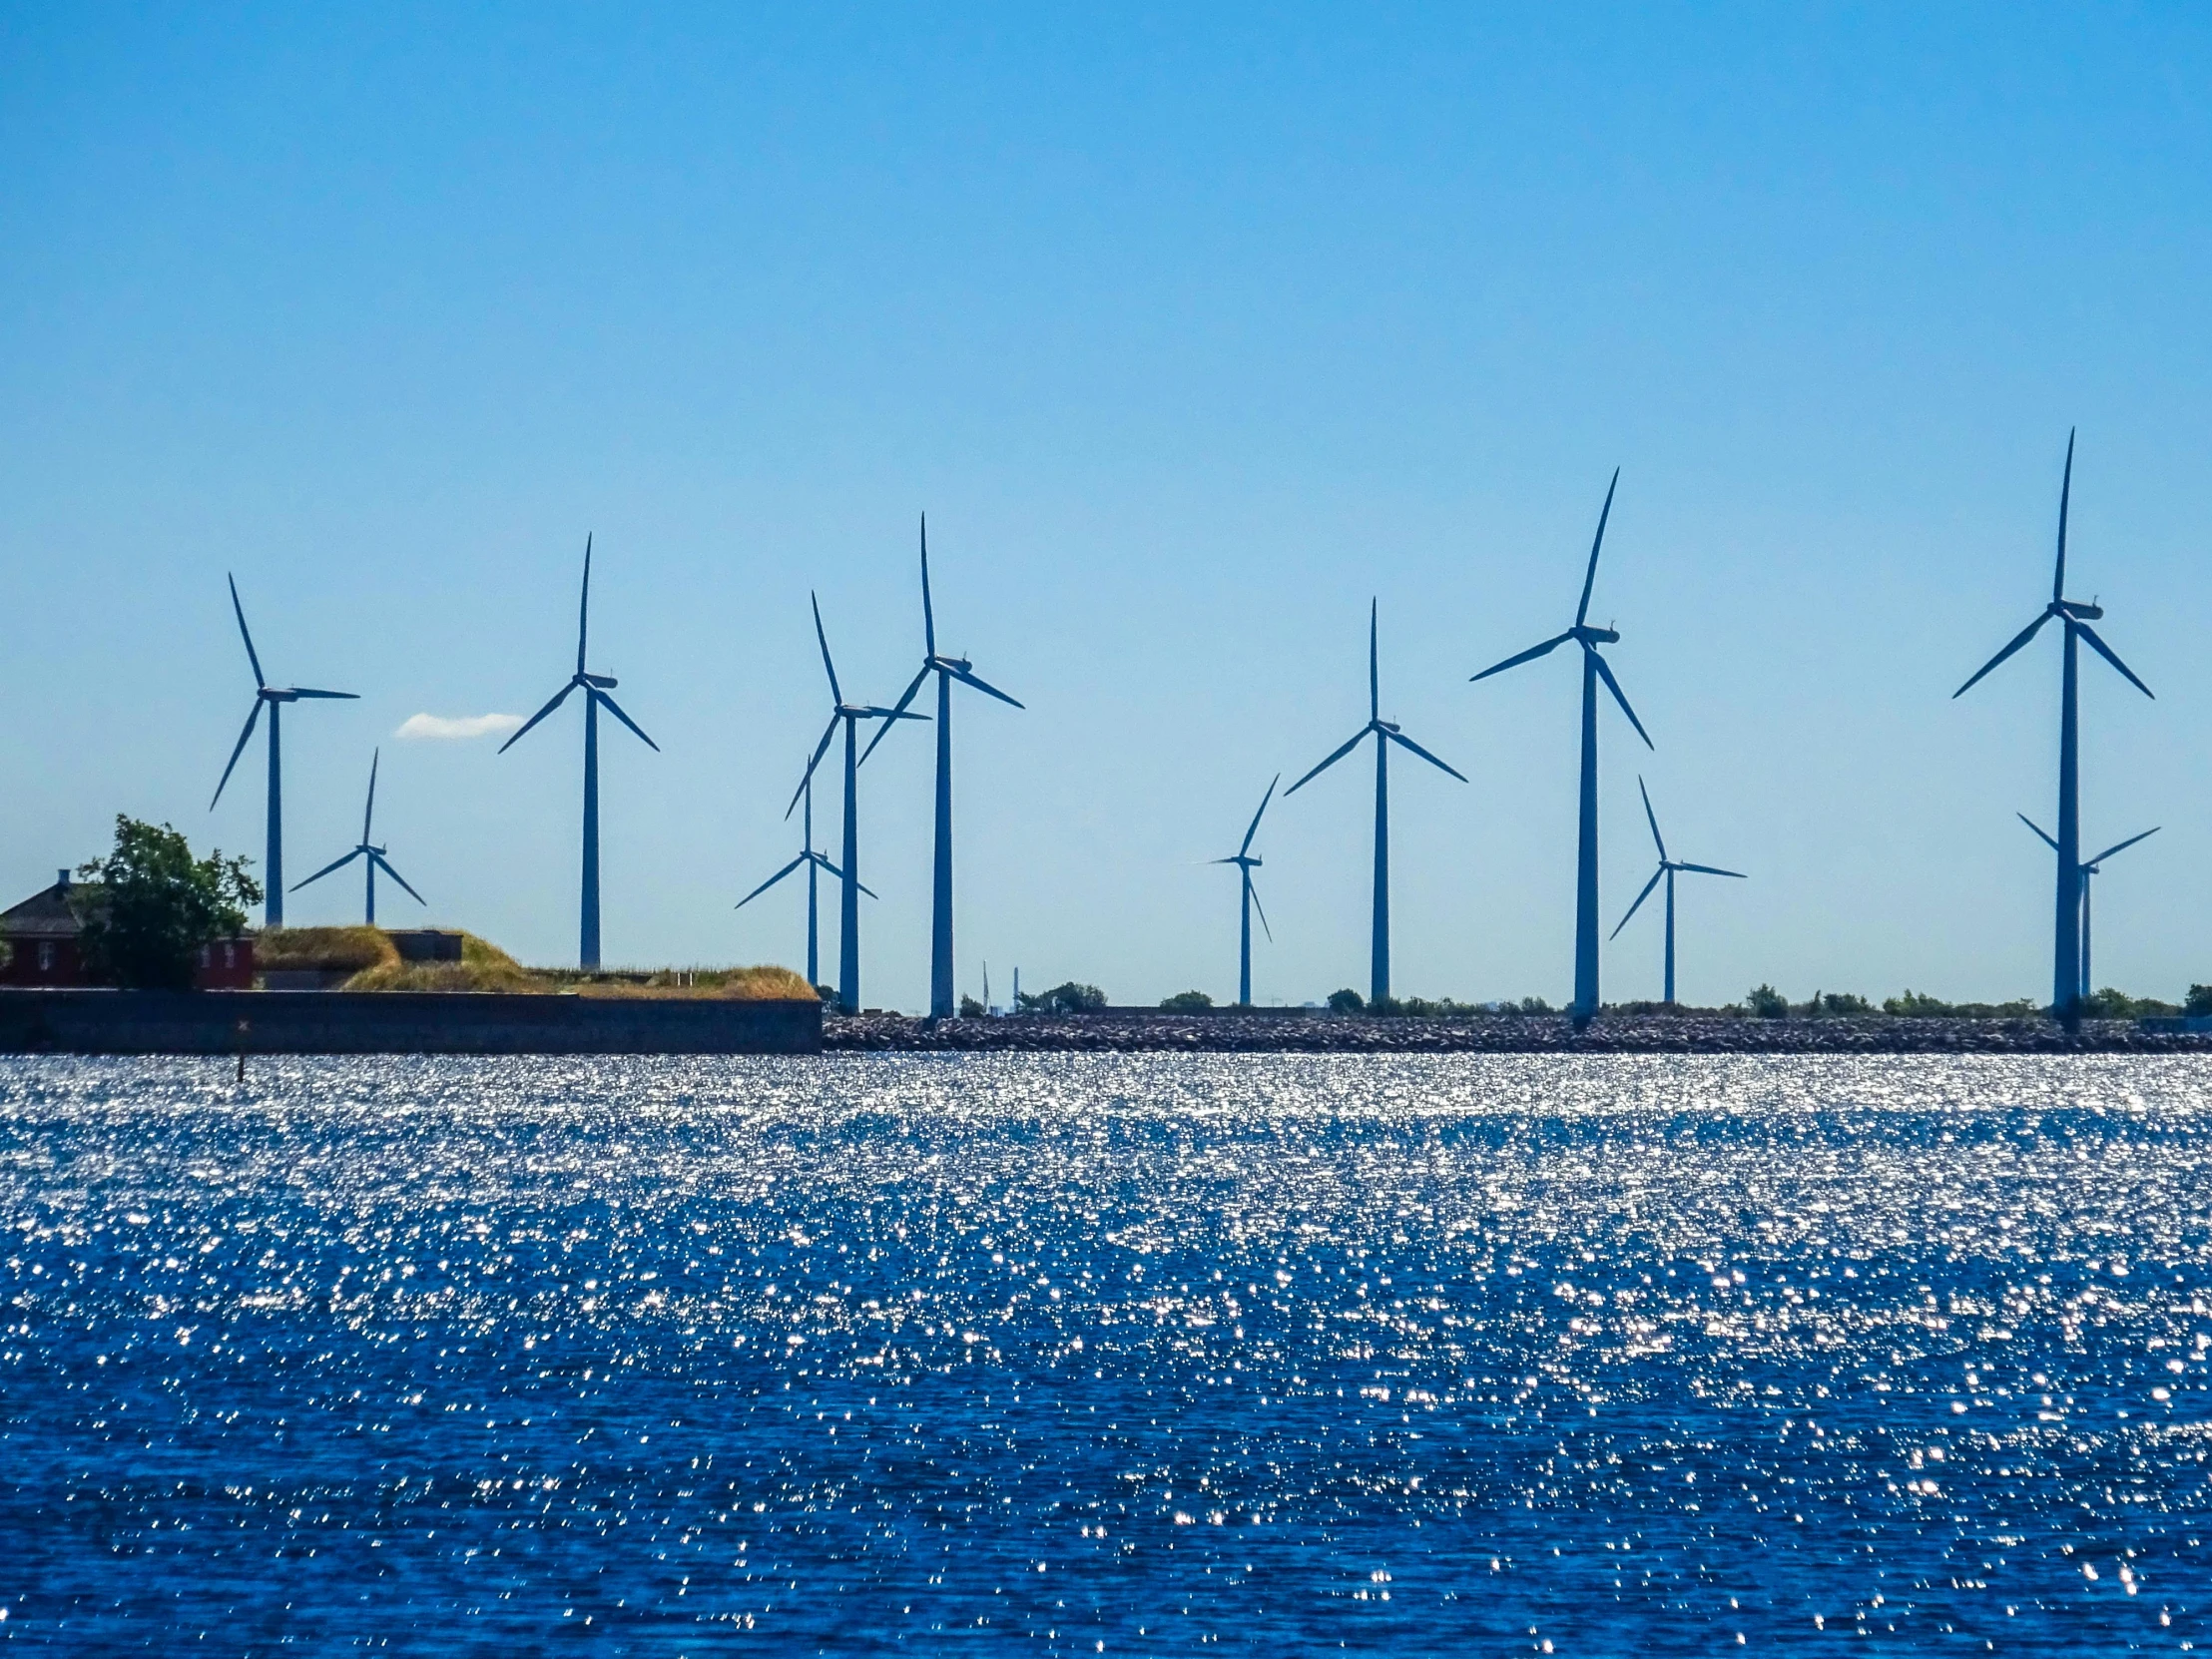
x,y
1190,335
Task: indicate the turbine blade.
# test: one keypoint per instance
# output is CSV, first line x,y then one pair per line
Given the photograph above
x,y
307,691
1589,578
861,887
1656,876
1708,870
2105,651
806,778
1374,674
872,712
835,695
929,615
384,864
967,678
2039,829
1404,742
336,863
615,708
770,883
1258,909
1528,656
583,606
2121,848
897,708
2065,496
559,698
1349,745
1652,819
252,656
2019,640
236,752
368,812
1256,816
1605,672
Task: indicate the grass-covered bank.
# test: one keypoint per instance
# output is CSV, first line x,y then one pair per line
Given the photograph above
x,y
374,964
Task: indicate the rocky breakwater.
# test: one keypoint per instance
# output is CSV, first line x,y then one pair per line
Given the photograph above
x,y
1224,1032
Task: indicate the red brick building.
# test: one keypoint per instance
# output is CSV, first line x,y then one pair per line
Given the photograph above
x,y
41,939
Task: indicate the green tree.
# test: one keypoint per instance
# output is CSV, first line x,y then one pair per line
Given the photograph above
x,y
2200,1000
1069,998
1186,1002
149,907
1345,1002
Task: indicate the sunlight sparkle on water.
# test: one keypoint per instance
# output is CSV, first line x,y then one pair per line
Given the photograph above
x,y
1513,1354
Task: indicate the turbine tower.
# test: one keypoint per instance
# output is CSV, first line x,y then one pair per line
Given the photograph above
x,y
1385,734
2066,972
275,697
948,670
368,850
595,688
1246,863
816,863
1668,868
849,910
2089,867
1594,669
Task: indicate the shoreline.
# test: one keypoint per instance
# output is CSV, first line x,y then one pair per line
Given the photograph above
x,y
1276,1032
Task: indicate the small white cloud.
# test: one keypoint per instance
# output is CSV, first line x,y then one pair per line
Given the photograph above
x,y
459,726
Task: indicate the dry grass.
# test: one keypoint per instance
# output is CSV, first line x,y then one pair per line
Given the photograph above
x,y
484,968
744,984
289,949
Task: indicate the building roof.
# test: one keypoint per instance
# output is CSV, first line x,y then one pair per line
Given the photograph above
x,y
44,916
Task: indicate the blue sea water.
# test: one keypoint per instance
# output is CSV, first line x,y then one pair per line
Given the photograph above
x,y
1106,1353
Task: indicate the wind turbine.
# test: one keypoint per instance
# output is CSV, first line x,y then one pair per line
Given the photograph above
x,y
368,850
2089,867
1385,734
848,914
276,696
1594,669
595,688
1246,863
2066,975
1668,868
816,863
948,670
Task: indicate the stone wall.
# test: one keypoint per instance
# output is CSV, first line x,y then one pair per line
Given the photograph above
x,y
397,1022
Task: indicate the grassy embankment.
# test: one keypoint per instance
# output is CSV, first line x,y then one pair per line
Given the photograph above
x,y
375,966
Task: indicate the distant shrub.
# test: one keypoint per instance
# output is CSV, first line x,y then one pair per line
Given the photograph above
x,y
1766,1002
1345,1002
972,1009
1534,1005
1069,998
2114,1005
1916,1005
1186,1002
1836,1005
2200,1000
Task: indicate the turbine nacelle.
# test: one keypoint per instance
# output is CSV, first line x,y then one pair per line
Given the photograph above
x,y
1594,635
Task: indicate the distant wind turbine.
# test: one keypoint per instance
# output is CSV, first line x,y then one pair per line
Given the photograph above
x,y
1668,868
849,912
276,696
2066,974
816,863
948,670
1594,669
1385,734
595,688
2089,867
368,851
1246,863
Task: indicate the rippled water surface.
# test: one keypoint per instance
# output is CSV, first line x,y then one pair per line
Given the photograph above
x,y
1105,1353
